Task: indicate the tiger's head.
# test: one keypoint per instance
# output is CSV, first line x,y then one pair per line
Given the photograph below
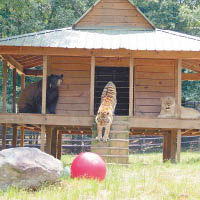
x,y
104,117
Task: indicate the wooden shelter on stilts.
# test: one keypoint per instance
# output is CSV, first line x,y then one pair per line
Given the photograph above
x,y
113,41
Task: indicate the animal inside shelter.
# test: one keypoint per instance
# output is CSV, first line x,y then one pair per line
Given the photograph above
x,y
144,63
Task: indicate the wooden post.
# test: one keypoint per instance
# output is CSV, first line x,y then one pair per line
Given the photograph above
x,y
22,128
131,87
22,137
14,89
14,139
173,146
54,143
44,89
4,130
92,76
48,139
59,151
5,69
179,97
166,147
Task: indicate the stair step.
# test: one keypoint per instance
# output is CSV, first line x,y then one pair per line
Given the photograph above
x,y
119,135
120,143
116,159
121,118
110,150
120,127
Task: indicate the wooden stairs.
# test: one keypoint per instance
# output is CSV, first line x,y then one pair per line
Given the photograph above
x,y
116,150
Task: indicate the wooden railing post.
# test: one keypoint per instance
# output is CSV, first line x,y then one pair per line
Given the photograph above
x,y
92,76
23,82
5,72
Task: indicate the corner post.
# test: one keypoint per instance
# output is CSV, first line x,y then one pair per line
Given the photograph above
x,y
44,89
14,139
4,110
92,75
131,87
23,81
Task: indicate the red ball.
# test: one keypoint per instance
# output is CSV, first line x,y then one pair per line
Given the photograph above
x,y
88,165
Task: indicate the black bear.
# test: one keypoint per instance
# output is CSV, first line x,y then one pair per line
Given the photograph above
x,y
30,100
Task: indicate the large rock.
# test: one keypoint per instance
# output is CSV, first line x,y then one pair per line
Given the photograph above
x,y
27,167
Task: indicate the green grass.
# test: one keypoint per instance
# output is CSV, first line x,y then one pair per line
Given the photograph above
x,y
146,178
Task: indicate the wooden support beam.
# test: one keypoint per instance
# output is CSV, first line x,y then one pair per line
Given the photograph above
x,y
23,81
14,139
179,101
22,137
48,139
33,72
54,143
59,148
166,147
92,76
14,90
5,72
14,50
14,63
44,92
173,146
191,77
4,131
131,87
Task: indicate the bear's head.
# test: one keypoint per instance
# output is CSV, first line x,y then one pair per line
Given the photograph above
x,y
54,81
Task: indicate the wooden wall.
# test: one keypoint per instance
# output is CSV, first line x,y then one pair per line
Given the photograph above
x,y
74,92
154,78
114,13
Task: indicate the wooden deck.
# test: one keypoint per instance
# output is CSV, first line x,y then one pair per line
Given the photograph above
x,y
65,120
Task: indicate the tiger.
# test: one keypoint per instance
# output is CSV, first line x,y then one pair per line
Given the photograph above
x,y
106,110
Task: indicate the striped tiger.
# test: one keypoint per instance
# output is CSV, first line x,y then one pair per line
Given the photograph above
x,y
106,110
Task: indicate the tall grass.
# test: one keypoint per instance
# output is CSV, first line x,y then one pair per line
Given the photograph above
x,y
146,178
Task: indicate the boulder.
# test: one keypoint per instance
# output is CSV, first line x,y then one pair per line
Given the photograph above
x,y
28,168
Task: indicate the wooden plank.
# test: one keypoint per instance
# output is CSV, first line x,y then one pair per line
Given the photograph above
x,y
22,137
155,75
4,131
73,74
43,138
153,95
143,109
73,107
148,102
191,77
14,91
173,146
66,93
76,81
14,50
92,77
73,100
138,122
33,72
166,147
23,82
151,82
75,87
5,69
54,143
163,62
131,87
152,68
73,113
178,145
70,67
47,119
154,89
48,139
59,148
70,60
14,138
44,84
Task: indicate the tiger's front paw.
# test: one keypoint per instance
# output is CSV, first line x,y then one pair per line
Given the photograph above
x,y
105,139
98,138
